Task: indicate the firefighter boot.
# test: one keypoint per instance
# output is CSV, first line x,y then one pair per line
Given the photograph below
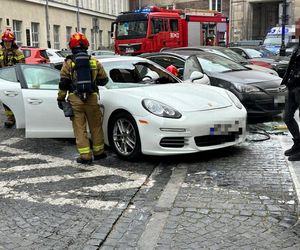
x,y
295,157
99,157
294,149
82,161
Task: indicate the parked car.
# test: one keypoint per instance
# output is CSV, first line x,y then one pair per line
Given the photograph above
x,y
55,56
257,55
226,52
146,109
262,94
102,53
35,55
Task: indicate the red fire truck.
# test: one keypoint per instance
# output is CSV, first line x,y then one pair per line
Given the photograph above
x,y
151,29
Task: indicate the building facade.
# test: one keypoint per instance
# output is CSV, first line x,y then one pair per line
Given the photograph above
x,y
28,19
249,19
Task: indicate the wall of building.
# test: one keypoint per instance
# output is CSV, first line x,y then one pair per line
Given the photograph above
x,y
59,14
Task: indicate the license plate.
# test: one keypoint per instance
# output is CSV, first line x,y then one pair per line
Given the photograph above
x,y
279,99
129,50
224,129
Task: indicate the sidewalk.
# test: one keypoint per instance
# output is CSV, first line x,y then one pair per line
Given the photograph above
x,y
294,167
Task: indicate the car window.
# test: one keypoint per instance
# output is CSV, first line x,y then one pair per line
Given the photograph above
x,y
40,77
8,74
212,63
43,53
254,53
26,52
135,74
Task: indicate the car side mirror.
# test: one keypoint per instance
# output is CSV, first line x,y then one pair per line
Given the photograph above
x,y
196,75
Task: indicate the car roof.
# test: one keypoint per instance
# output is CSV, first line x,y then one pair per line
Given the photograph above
x,y
31,48
118,58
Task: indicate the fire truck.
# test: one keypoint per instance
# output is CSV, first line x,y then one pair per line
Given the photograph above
x,y
150,29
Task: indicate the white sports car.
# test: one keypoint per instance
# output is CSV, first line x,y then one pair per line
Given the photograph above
x,y
146,109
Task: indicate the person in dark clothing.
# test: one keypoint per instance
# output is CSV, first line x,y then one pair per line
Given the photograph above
x,y
292,80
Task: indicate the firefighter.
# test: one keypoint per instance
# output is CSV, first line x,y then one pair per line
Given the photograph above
x,y
80,77
9,55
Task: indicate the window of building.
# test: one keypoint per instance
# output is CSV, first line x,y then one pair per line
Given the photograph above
x,y
0,25
83,30
215,5
35,34
56,36
68,34
100,37
109,39
93,40
17,29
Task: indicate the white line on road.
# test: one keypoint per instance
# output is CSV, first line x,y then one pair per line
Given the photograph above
x,y
151,234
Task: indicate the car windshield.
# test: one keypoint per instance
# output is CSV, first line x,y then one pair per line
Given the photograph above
x,y
213,63
233,55
132,29
274,40
253,53
124,74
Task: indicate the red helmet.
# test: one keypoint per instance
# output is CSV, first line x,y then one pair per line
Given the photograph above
x,y
78,39
172,69
8,35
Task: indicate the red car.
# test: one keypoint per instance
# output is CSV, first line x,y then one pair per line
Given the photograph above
x,y
35,55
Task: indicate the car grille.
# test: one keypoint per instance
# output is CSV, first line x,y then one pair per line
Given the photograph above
x,y
280,89
210,140
173,142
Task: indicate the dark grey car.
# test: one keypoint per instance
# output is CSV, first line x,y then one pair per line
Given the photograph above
x,y
262,94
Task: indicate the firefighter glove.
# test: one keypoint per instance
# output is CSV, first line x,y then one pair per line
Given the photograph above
x,y
60,104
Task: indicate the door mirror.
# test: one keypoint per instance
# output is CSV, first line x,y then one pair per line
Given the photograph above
x,y
191,64
196,75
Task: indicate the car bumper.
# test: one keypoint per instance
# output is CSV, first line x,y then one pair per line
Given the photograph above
x,y
264,104
194,132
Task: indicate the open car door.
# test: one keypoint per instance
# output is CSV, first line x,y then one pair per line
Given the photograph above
x,y
43,118
11,93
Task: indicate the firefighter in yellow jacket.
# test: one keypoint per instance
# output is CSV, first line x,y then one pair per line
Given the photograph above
x,y
9,55
80,77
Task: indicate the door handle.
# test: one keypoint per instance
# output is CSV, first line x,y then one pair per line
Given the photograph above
x,y
34,101
11,93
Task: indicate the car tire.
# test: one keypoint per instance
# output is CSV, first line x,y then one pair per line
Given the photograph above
x,y
126,143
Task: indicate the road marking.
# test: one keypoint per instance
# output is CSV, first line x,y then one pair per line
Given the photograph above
x,y
7,188
155,225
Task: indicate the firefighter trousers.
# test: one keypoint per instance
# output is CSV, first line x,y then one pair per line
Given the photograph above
x,y
9,115
87,113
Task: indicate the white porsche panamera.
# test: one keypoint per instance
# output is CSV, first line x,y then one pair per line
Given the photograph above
x,y
146,109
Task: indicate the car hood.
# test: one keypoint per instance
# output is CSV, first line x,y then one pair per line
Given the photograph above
x,y
184,96
248,77
260,68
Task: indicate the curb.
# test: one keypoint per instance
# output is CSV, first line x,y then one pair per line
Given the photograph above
x,y
294,168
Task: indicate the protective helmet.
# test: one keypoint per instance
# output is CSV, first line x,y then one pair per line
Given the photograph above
x,y
8,35
172,69
78,39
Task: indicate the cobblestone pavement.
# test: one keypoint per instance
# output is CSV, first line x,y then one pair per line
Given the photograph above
x,y
243,198
237,198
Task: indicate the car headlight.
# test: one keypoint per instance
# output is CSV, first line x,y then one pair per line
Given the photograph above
x,y
234,99
246,88
160,109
